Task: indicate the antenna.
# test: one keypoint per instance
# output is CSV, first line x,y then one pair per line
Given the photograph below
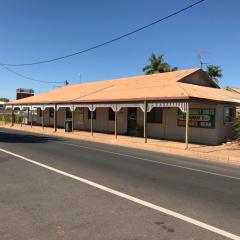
x,y
66,83
200,54
80,77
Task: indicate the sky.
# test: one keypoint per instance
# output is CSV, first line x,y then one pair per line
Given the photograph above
x,y
33,30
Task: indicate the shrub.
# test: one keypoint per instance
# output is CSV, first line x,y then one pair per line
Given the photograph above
x,y
8,118
236,127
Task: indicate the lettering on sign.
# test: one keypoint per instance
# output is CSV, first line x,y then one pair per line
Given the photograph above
x,y
198,117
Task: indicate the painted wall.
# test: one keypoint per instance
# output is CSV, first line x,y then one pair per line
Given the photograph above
x,y
101,124
198,78
48,121
224,129
169,128
198,135
238,112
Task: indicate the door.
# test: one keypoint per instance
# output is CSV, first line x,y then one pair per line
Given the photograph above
x,y
132,121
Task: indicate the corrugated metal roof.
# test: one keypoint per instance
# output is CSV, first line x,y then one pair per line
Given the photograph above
x,y
160,86
236,90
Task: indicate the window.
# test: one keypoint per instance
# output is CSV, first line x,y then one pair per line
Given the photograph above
x,y
68,113
94,114
229,114
155,116
51,112
111,114
40,112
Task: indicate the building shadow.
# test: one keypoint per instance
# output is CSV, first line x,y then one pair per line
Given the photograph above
x,y
8,137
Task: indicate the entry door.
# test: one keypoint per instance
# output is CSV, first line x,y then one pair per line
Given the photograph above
x,y
132,121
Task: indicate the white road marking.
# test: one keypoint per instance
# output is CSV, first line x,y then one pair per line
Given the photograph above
x,y
130,198
149,160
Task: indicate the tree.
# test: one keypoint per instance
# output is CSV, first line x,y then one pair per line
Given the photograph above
x,y
2,99
228,88
157,65
214,72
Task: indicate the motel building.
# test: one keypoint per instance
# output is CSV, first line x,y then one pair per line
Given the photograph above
x,y
183,105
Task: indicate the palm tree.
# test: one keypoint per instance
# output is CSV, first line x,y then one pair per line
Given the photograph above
x,y
157,65
214,72
174,69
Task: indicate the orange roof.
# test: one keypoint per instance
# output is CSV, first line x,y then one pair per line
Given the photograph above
x,y
236,90
161,86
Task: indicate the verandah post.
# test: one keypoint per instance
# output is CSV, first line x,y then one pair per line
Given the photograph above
x,y
21,117
31,117
12,120
55,118
72,118
92,120
116,121
43,117
187,127
27,116
145,122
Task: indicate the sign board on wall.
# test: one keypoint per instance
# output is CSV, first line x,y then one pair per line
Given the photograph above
x,y
198,117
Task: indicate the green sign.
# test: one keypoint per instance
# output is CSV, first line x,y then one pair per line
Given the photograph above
x,y
198,117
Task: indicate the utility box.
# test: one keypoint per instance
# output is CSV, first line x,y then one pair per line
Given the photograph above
x,y
68,126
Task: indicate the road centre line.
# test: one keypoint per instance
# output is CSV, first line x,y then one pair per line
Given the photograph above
x,y
149,160
130,198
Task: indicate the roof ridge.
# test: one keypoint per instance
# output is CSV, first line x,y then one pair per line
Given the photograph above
x,y
188,71
182,71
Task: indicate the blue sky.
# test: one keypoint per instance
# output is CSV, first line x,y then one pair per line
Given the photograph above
x,y
34,30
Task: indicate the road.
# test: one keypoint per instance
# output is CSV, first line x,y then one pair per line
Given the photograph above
x,y
57,188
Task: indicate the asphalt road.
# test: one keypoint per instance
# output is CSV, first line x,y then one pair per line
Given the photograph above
x,y
37,203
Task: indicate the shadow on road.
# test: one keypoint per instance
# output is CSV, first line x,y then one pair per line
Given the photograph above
x,y
8,137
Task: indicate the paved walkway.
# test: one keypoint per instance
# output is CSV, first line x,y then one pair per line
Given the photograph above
x,y
222,153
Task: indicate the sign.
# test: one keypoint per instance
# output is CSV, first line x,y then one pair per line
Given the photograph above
x,y
198,117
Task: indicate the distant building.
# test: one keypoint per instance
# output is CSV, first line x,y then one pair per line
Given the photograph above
x,y
23,93
2,105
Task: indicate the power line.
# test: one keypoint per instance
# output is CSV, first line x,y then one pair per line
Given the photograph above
x,y
110,41
26,77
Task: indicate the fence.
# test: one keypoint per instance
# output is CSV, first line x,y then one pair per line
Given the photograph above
x,y
6,117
